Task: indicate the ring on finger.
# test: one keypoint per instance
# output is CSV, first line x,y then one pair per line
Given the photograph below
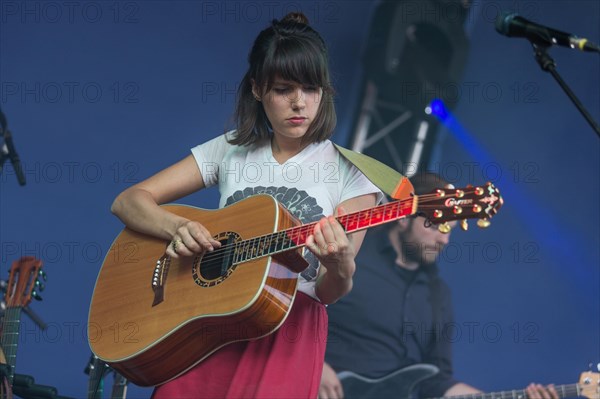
x,y
175,244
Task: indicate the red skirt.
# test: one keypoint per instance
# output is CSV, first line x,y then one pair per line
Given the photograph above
x,y
284,365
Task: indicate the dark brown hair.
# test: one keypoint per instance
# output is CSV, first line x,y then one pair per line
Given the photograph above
x,y
291,50
425,182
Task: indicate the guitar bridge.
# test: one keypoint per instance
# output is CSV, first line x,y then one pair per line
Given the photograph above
x,y
159,278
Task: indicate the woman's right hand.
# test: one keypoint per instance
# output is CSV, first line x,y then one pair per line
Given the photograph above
x,y
331,387
191,238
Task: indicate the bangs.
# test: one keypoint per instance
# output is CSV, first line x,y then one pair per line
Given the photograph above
x,y
292,51
296,61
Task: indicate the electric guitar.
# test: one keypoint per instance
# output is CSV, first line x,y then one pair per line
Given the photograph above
x,y
23,284
152,317
401,384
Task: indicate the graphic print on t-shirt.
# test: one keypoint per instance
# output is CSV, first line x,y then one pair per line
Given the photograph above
x,y
299,204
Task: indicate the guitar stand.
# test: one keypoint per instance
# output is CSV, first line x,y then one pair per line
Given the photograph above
x,y
4,370
24,386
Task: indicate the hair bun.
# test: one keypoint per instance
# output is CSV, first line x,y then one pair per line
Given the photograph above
x,y
295,17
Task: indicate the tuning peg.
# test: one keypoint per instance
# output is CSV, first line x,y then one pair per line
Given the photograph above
x,y
36,296
43,275
39,285
444,228
483,223
464,225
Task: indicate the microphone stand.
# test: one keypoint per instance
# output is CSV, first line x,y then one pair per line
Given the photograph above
x,y
35,318
3,155
10,153
548,64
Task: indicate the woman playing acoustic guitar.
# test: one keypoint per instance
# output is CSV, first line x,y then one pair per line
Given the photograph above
x,y
285,115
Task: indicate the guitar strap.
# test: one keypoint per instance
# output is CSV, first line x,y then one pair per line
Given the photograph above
x,y
398,186
387,179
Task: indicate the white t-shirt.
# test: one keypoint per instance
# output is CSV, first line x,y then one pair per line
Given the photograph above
x,y
309,185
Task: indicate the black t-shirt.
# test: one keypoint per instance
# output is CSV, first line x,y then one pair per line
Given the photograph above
x,y
387,321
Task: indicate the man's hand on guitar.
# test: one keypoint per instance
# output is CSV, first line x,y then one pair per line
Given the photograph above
x,y
330,388
190,239
537,391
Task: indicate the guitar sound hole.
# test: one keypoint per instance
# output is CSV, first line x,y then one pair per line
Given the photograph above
x,y
217,263
214,267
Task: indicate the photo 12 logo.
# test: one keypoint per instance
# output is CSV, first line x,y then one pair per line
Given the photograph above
x,y
265,11
70,12
70,92
74,172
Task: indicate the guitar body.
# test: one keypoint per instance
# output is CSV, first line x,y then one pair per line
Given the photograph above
x,y
152,317
399,384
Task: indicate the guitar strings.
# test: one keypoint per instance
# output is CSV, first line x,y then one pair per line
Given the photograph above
x,y
300,232
350,218
304,230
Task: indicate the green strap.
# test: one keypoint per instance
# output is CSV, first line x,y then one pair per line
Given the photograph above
x,y
387,179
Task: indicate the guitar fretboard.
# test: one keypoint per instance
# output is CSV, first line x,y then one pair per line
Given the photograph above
x,y
10,337
564,391
295,237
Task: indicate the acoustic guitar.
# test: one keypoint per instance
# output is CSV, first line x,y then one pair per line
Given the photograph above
x,y
152,317
23,284
402,383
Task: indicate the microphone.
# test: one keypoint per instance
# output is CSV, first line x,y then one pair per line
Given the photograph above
x,y
513,25
8,149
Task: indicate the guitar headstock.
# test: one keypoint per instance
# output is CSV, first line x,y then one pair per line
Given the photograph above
x,y
444,204
589,385
24,282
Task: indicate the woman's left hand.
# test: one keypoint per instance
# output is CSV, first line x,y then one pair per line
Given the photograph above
x,y
537,391
332,247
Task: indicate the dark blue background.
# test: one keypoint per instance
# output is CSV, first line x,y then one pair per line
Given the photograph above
x,y
100,95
